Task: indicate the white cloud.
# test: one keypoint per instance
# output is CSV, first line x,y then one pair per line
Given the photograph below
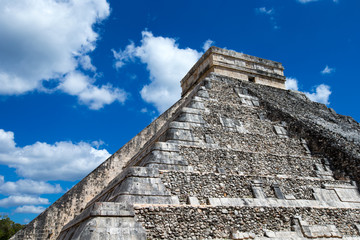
x,y
207,44
46,39
80,85
291,84
321,94
85,62
265,11
29,209
97,144
43,161
27,186
124,56
327,70
167,64
23,200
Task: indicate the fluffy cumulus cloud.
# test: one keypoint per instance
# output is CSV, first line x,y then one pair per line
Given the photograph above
x,y
321,94
291,84
23,200
27,186
167,64
80,85
327,70
48,39
43,161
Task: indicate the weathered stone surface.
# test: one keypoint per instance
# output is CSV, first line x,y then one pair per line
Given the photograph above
x,y
214,222
232,159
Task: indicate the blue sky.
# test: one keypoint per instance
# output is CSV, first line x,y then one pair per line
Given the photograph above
x,y
78,79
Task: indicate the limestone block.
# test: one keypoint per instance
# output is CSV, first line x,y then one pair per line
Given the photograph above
x,y
269,234
232,125
164,146
143,199
246,99
307,150
241,91
142,172
107,228
197,105
119,210
214,201
180,134
279,130
166,161
242,235
277,191
193,201
140,186
180,125
334,231
191,111
289,197
191,118
257,189
163,157
170,167
203,93
326,195
348,195
255,102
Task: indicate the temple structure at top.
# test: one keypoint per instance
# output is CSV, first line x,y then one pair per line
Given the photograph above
x,y
236,65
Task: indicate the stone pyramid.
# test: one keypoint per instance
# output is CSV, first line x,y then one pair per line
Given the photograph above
x,y
237,157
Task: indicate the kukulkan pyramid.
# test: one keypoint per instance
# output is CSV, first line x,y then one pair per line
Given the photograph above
x,y
237,157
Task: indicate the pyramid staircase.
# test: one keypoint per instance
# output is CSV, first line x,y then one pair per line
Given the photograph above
x,y
223,170
232,159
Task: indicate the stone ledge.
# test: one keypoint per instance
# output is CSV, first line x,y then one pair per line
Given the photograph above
x,y
102,209
279,176
275,203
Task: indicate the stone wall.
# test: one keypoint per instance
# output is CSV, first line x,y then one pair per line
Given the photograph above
x,y
215,185
326,133
196,222
233,161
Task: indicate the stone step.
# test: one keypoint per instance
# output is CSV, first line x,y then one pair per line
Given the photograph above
x,y
101,219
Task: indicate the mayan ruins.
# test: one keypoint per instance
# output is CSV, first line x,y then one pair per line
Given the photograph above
x,y
237,157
